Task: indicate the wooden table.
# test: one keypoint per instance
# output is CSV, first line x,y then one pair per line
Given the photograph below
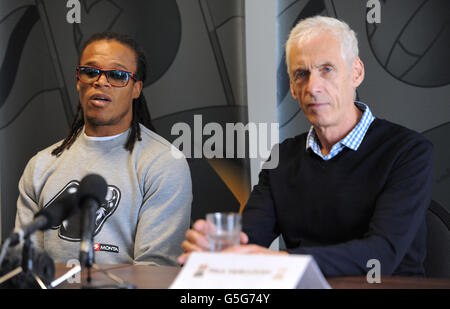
x,y
160,277
389,283
142,276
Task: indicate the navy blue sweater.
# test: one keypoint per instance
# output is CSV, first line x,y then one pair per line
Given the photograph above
x,y
360,205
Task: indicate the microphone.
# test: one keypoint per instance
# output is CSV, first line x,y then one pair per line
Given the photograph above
x,y
47,217
91,194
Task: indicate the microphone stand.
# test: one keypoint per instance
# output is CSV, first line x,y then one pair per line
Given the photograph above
x,y
27,265
27,261
88,259
86,245
119,282
89,264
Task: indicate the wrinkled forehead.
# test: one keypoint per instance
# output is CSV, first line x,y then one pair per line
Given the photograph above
x,y
323,47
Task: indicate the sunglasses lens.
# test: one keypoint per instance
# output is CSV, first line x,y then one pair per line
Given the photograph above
x,y
117,78
88,75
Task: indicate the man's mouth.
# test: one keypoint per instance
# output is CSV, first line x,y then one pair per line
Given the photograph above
x,y
316,105
100,100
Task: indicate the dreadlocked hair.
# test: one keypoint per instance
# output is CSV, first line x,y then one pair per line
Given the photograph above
x,y
141,114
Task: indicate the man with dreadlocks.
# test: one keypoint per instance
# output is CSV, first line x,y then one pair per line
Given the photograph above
x,y
148,201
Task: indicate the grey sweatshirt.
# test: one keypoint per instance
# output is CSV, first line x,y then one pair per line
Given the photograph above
x,y
148,203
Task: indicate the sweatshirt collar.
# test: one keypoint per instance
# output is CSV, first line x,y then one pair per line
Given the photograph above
x,y
100,142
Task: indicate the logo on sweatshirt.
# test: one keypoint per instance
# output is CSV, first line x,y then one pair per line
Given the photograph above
x,y
106,247
70,229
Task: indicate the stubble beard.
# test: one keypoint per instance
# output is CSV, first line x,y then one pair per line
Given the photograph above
x,y
96,122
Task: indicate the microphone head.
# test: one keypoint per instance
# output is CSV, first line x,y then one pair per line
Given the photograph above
x,y
92,186
59,211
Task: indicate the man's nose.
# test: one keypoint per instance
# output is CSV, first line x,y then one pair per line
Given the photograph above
x,y
314,84
102,81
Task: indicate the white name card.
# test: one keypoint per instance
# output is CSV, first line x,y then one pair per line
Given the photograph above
x,y
208,270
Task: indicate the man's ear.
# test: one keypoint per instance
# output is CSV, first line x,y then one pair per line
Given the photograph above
x,y
137,89
357,72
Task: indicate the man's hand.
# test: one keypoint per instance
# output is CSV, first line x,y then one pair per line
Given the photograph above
x,y
196,240
252,249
